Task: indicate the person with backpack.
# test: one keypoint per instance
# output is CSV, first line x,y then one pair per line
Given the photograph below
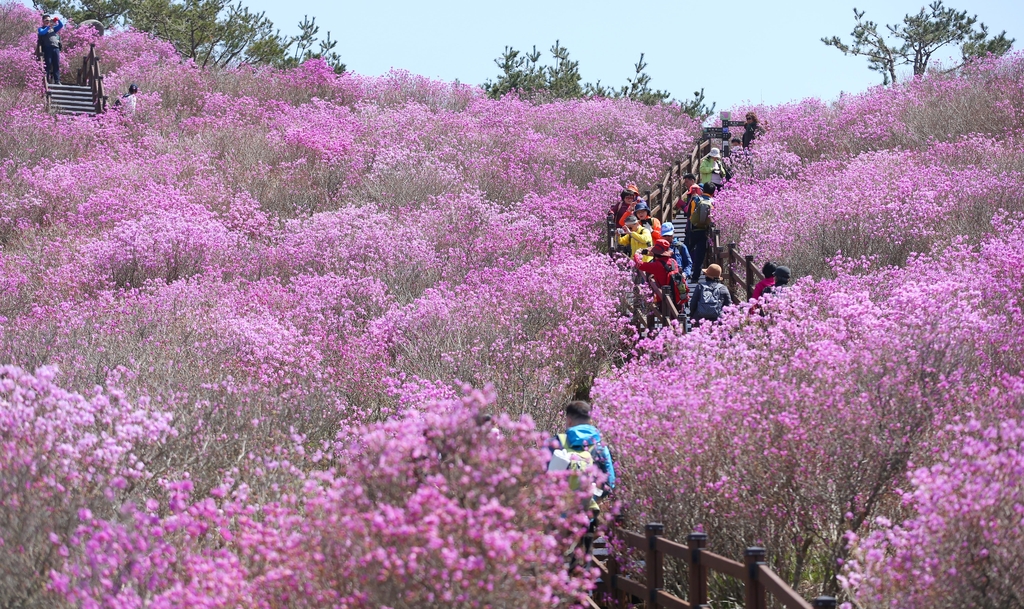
x,y
710,297
698,214
679,251
635,237
48,45
643,214
665,271
712,169
577,449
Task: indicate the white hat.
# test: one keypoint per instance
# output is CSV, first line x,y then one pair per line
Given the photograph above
x,y
716,153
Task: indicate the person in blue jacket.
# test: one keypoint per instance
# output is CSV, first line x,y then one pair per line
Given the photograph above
x,y
679,251
49,47
582,438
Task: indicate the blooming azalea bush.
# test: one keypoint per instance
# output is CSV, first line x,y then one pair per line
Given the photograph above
x,y
439,508
962,547
795,424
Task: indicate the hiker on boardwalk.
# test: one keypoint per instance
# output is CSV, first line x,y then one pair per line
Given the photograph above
x,y
712,169
683,204
751,129
635,237
698,214
578,449
643,214
665,271
738,157
48,46
768,270
679,251
627,200
710,297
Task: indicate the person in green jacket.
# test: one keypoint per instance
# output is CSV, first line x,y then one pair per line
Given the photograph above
x,y
712,169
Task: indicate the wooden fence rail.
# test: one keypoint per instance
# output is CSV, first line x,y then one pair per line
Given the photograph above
x,y
618,591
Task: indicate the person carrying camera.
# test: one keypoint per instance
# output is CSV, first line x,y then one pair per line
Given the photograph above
x,y
627,201
636,237
48,46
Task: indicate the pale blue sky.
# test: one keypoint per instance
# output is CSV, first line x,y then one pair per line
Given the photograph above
x,y
755,50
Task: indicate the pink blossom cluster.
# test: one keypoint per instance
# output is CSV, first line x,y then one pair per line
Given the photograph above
x,y
439,508
962,547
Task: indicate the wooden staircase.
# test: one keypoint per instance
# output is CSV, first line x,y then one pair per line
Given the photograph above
x,y
70,99
85,96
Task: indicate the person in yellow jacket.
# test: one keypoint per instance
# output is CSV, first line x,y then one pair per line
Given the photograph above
x,y
636,237
712,169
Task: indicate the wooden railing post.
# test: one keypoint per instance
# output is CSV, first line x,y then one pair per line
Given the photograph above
x,y
698,572
617,598
824,602
731,263
755,593
654,563
668,309
749,259
610,234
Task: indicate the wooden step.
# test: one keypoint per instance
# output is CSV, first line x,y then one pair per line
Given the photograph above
x,y
71,98
74,108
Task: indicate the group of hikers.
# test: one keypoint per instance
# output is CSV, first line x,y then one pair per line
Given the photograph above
x,y
48,48
673,253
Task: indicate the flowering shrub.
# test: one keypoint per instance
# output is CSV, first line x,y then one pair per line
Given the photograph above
x,y
439,509
293,274
787,430
63,457
962,548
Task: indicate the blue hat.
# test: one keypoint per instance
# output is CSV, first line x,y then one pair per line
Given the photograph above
x,y
641,206
667,229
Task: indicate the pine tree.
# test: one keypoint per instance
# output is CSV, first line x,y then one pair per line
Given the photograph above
x,y
916,40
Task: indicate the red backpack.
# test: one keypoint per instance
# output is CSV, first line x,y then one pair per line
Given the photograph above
x,y
677,280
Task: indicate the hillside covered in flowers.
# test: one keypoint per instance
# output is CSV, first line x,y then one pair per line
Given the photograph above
x,y
284,338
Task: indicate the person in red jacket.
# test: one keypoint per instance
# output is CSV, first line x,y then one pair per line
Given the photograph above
x,y
662,267
768,270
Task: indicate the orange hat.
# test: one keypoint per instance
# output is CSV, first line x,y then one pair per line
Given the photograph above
x,y
633,189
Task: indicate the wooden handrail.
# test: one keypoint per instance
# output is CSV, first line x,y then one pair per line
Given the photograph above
x,y
758,579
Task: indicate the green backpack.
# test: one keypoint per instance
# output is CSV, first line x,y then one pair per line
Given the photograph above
x,y
700,217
